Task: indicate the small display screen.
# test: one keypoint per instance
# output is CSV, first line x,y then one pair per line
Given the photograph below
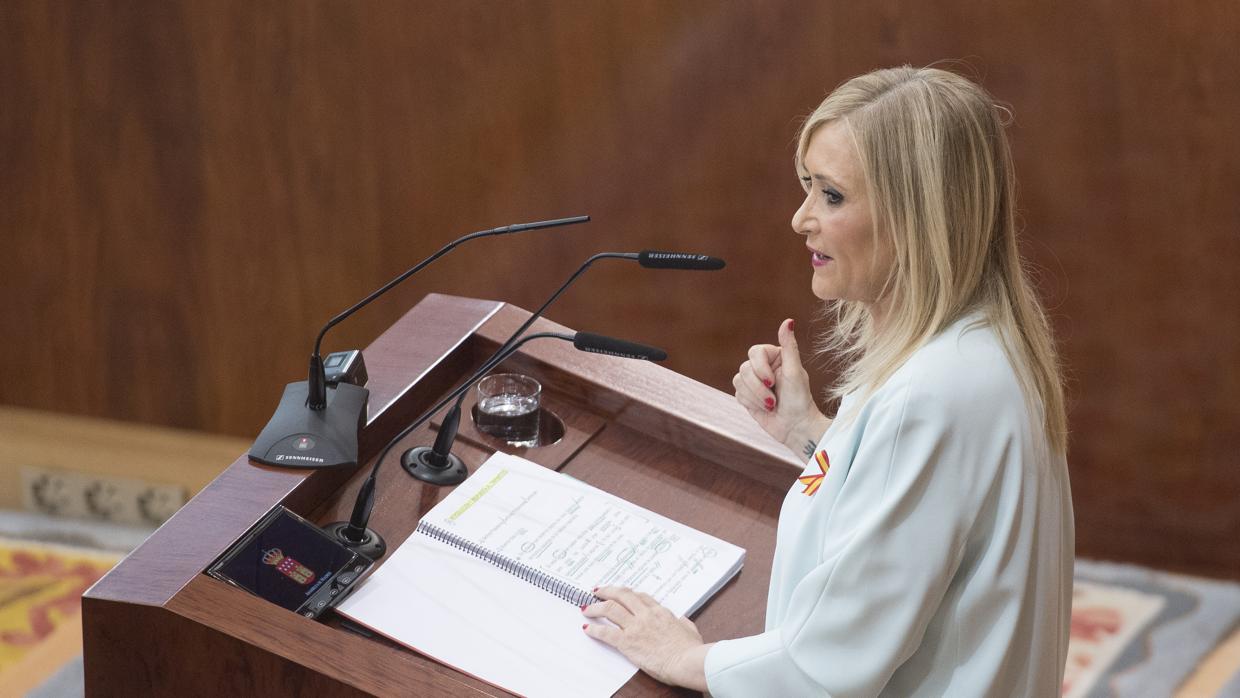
x,y
284,560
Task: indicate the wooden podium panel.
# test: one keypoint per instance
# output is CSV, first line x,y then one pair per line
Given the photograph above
x,y
157,625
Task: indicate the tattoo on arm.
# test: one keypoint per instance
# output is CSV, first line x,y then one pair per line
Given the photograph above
x,y
809,448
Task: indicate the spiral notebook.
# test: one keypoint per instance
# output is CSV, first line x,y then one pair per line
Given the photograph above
x,y
492,580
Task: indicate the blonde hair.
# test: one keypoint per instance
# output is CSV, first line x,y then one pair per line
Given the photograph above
x,y
942,191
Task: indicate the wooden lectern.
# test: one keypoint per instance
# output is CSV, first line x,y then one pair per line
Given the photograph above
x,y
156,625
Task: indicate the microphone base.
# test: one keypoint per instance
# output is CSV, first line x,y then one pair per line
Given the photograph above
x,y
415,461
372,544
299,437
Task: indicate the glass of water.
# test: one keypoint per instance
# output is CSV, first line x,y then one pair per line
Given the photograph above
x,y
508,408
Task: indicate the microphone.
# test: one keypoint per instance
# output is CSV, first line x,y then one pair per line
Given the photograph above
x,y
427,463
355,532
315,426
654,259
602,344
454,471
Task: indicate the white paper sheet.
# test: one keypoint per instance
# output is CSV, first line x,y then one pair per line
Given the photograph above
x,y
469,614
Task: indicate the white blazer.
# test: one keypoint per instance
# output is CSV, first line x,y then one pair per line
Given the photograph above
x,y
933,557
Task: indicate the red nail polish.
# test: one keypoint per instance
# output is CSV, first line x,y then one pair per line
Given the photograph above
x,y
583,607
767,382
792,325
770,403
583,627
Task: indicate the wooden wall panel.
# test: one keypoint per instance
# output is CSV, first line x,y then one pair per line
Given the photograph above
x,y
189,190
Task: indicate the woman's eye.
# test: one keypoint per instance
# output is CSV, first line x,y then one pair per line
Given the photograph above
x,y
833,197
805,183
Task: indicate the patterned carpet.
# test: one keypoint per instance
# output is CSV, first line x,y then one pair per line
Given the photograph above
x,y
1139,632
41,586
1135,632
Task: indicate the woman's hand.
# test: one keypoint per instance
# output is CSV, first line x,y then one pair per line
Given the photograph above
x,y
774,387
668,648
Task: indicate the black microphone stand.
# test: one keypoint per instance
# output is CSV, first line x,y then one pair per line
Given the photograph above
x,y
428,463
450,470
355,532
317,427
436,464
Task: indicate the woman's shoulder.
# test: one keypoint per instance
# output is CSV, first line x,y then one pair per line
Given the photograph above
x,y
963,373
956,400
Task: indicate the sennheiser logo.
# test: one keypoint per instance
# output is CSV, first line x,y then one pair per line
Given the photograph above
x,y
621,354
308,459
676,255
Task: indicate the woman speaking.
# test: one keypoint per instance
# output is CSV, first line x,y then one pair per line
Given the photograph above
x,y
927,549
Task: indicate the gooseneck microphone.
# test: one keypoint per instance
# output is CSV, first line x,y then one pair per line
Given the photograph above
x,y
317,427
651,259
654,259
446,469
434,462
624,349
355,532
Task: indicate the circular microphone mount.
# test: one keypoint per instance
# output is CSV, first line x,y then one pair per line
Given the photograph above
x,y
371,545
426,465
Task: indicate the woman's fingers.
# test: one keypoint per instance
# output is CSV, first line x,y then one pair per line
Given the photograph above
x,y
750,390
765,360
616,604
773,387
652,638
624,596
605,633
789,350
610,609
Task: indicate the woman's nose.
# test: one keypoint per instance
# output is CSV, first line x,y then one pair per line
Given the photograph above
x,y
801,218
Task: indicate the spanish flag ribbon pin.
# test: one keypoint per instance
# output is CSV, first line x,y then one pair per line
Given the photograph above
x,y
813,482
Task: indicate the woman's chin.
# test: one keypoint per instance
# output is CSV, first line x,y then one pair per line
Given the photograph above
x,y
823,290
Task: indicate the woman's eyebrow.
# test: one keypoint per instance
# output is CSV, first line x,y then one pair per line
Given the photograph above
x,y
803,173
828,179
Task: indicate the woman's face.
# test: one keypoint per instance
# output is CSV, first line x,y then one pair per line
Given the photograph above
x,y
835,220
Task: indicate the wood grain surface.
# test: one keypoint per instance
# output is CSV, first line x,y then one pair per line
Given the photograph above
x,y
191,189
146,650
403,378
160,592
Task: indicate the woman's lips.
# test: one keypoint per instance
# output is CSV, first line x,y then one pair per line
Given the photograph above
x,y
818,259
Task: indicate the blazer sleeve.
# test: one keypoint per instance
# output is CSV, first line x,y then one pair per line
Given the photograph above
x,y
893,542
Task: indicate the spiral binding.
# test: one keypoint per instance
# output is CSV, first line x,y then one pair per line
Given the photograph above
x,y
520,570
